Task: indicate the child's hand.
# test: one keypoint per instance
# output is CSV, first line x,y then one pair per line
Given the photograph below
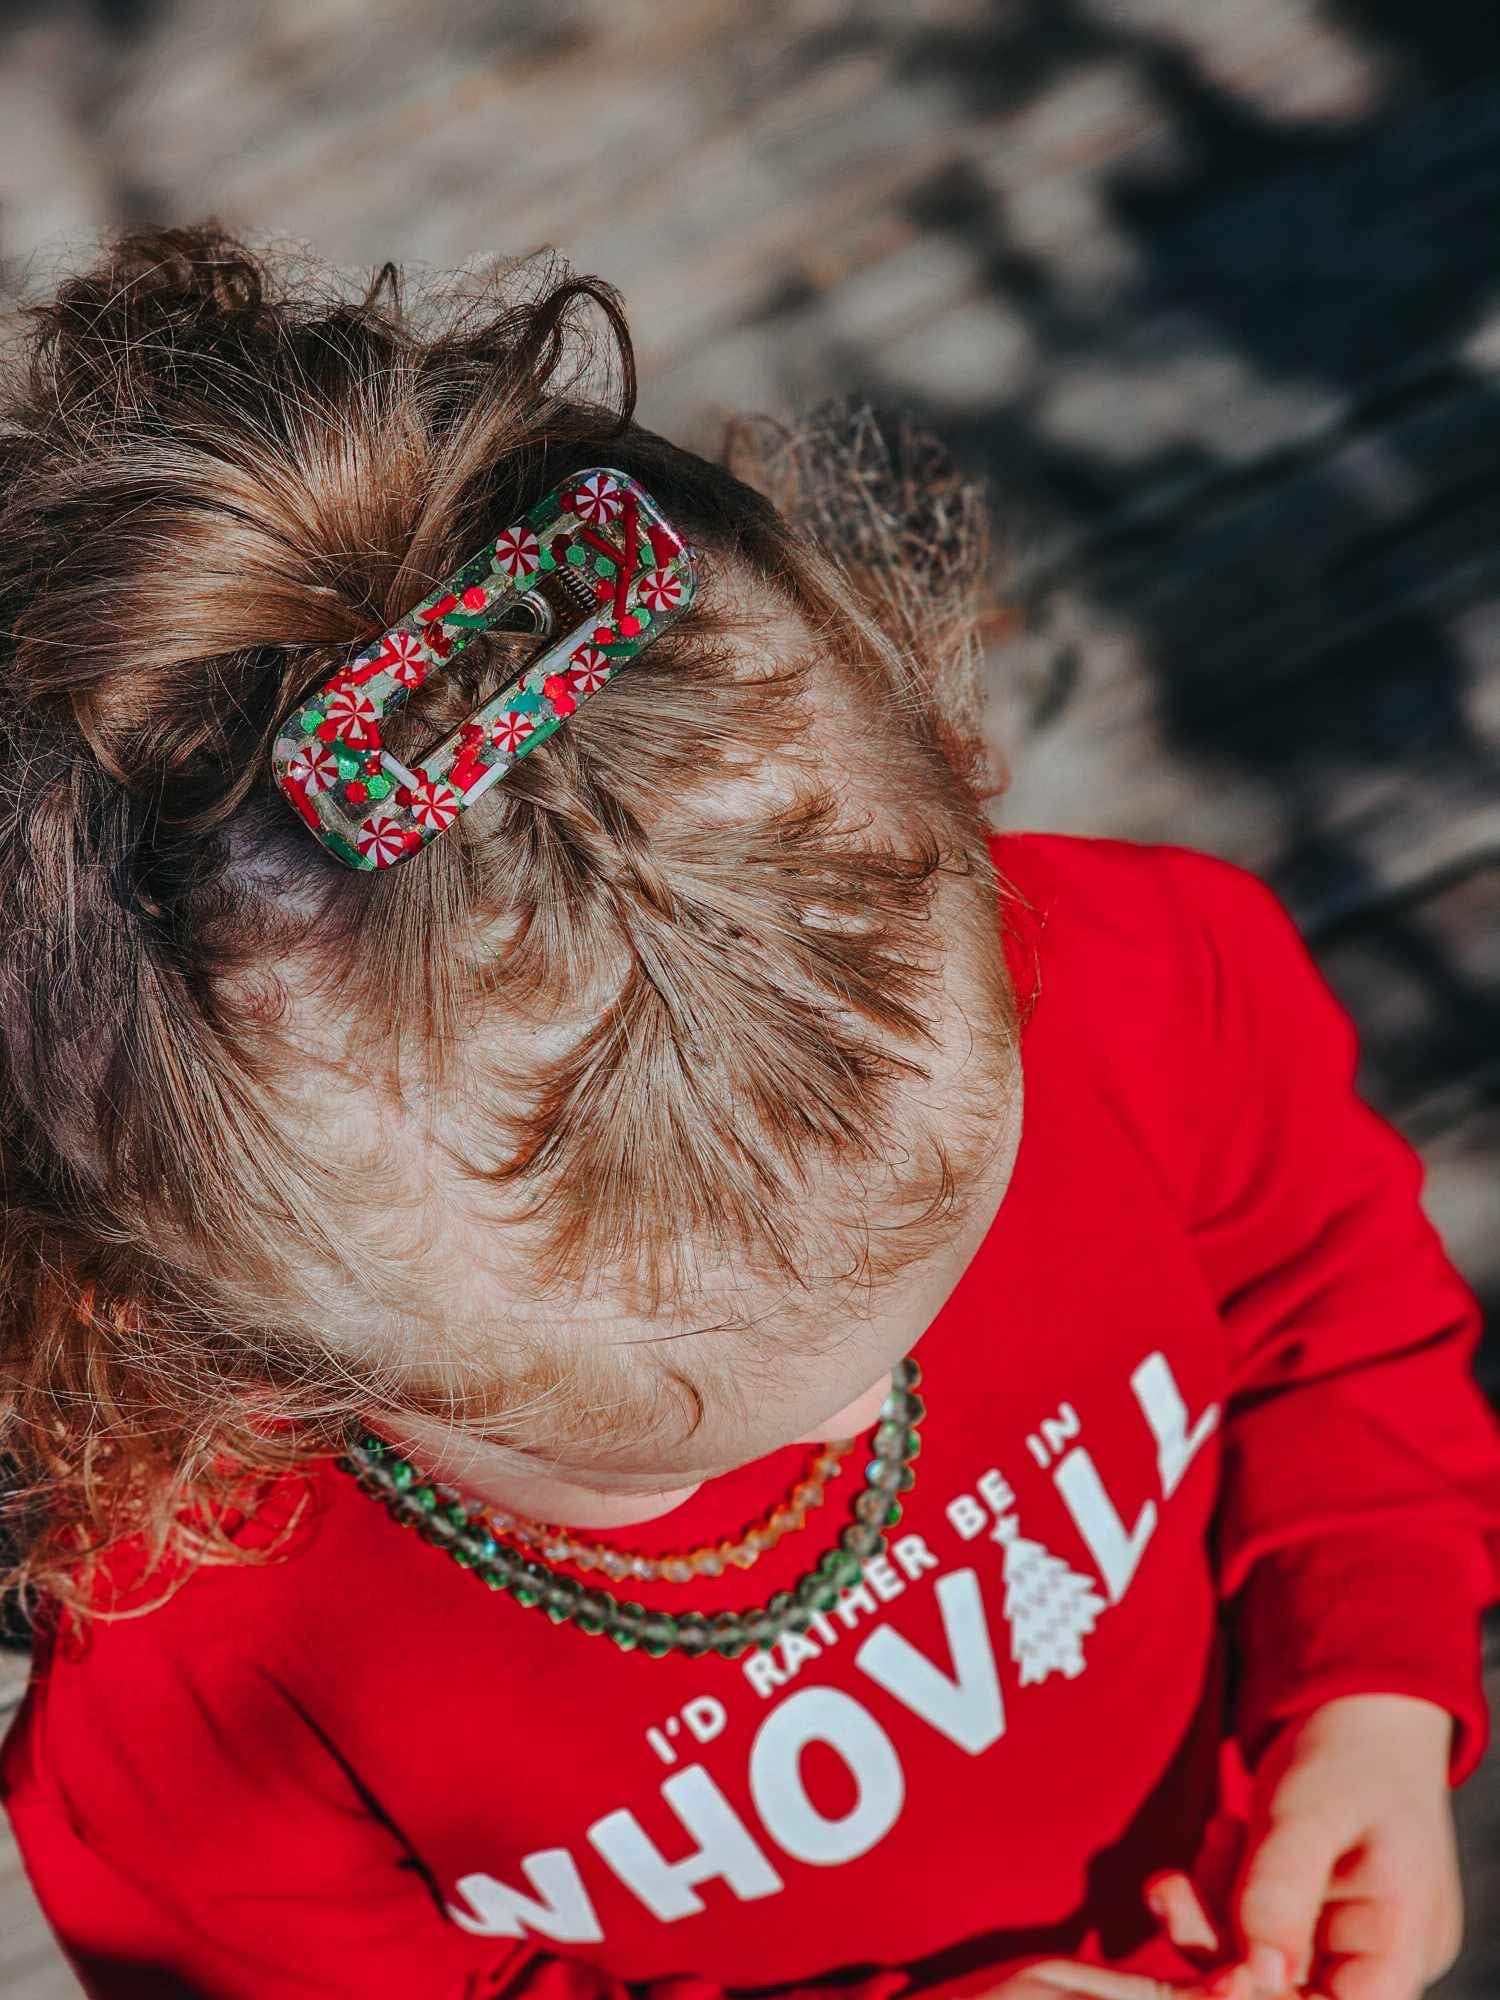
x,y
1349,1875
1062,1979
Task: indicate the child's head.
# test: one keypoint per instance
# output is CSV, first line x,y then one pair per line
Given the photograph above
x,y
637,1124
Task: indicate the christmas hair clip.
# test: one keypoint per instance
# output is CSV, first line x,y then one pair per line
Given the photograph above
x,y
597,573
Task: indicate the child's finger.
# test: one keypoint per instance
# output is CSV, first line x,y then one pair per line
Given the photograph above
x,y
1174,1900
1198,1921
1361,1926
1360,1977
1061,1979
1281,1895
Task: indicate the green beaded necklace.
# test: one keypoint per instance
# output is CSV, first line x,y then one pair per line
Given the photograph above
x,y
381,1472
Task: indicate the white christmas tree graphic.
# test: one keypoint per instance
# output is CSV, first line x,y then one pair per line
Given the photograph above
x,y
1050,1607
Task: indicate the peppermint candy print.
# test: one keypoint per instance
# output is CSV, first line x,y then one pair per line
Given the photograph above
x,y
434,804
588,670
401,656
314,767
510,731
381,839
517,551
597,499
328,756
354,715
661,590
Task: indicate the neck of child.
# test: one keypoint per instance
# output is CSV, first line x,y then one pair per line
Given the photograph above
x,y
569,1506
536,1491
563,1503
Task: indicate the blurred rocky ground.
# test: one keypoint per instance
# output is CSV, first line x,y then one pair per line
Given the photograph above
x,y
1207,289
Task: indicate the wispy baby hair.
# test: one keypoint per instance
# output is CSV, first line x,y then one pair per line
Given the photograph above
x,y
652,991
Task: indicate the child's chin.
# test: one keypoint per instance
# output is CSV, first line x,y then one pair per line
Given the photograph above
x,y
622,1510
860,1415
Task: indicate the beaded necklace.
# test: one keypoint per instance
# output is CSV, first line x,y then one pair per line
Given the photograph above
x,y
560,1545
381,1472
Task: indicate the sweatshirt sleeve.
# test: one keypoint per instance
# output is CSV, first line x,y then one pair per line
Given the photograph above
x,y
192,1834
1359,1518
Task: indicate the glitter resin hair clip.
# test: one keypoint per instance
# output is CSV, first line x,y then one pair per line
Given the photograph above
x,y
594,570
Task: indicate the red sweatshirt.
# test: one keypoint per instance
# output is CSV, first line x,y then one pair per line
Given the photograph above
x,y
1202,1451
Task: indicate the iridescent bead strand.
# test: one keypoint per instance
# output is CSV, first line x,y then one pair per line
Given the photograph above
x,y
413,1502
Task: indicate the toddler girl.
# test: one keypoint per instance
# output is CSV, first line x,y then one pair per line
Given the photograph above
x,y
649,1358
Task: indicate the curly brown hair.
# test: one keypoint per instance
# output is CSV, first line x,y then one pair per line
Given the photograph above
x,y
223,469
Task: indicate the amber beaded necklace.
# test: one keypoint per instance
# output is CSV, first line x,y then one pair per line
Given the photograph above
x,y
381,1472
561,1545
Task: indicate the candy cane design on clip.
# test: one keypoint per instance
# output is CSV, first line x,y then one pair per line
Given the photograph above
x,y
599,571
